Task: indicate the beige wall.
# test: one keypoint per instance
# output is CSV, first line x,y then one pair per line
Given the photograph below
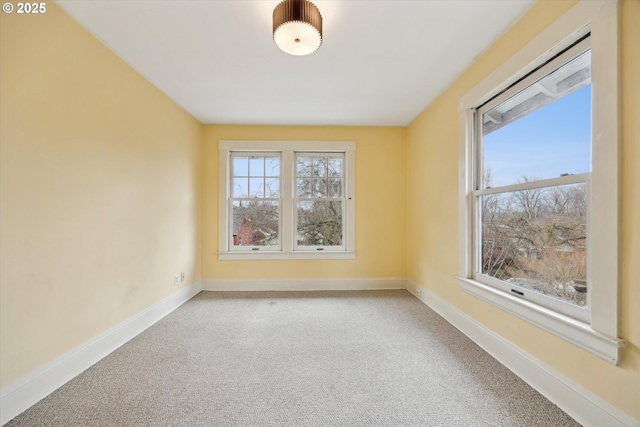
x,y
432,186
100,191
380,205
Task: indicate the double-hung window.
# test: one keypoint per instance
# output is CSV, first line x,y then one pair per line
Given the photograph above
x,y
538,182
533,166
255,201
319,201
287,200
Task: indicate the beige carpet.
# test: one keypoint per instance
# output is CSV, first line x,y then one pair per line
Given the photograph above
x,y
374,358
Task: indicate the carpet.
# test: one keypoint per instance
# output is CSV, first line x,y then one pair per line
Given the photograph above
x,y
334,358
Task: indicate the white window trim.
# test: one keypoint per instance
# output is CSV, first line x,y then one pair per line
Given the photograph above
x,y
599,335
287,238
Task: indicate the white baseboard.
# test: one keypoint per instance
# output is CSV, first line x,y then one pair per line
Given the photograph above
x,y
22,394
581,404
302,284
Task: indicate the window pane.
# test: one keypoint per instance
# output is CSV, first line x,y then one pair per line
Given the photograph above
x,y
256,165
319,188
256,187
335,167
335,187
272,166
304,166
240,166
240,187
542,132
319,223
304,187
272,188
319,166
255,223
536,239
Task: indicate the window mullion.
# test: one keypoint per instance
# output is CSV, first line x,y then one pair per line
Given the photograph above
x,y
287,219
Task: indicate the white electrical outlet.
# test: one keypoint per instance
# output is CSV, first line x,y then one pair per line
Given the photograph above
x,y
182,277
176,279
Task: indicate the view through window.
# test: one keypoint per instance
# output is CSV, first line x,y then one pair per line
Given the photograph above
x,y
255,200
319,201
532,186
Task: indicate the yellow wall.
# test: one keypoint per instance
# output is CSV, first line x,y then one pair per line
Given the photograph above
x,y
380,205
104,182
100,191
432,180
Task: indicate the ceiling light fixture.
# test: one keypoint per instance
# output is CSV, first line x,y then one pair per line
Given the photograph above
x,y
297,27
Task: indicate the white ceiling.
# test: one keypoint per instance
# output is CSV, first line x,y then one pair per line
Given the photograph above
x,y
381,61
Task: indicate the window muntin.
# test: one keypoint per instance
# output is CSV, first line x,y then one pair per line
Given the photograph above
x,y
532,179
319,201
255,201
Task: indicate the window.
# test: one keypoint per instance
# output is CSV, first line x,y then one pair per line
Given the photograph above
x,y
287,200
538,188
530,203
255,201
319,201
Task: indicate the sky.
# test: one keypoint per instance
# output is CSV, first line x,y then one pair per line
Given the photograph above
x,y
551,141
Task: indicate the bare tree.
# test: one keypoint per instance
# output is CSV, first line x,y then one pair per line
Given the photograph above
x,y
530,202
536,238
262,217
319,184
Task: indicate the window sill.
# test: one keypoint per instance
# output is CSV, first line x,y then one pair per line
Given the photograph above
x,y
574,331
257,255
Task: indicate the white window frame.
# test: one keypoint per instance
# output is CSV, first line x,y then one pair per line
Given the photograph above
x,y
342,199
597,331
232,199
287,150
